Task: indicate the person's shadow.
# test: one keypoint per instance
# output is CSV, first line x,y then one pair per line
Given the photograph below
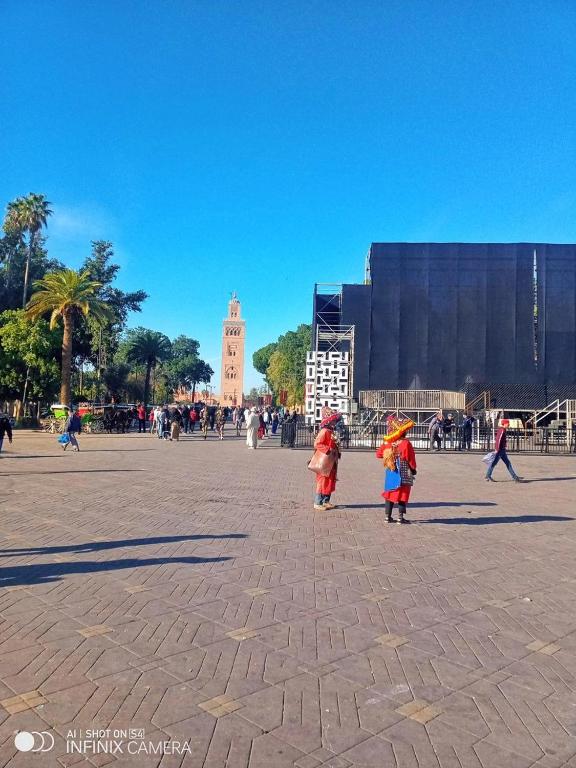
x,y
495,520
424,504
44,573
98,546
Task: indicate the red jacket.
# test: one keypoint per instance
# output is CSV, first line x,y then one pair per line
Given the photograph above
x,y
500,440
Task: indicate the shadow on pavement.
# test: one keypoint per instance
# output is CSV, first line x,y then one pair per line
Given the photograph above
x,y
66,472
45,573
424,504
495,520
97,546
549,479
116,450
34,456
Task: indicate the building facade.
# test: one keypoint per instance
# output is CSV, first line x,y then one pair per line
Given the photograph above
x,y
233,341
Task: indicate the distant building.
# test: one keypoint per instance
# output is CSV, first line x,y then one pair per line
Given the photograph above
x,y
233,340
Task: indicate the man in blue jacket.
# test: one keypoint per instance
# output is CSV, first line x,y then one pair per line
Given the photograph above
x,y
72,426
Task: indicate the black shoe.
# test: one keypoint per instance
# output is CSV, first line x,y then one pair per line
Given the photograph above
x,y
389,520
403,521
490,480
519,480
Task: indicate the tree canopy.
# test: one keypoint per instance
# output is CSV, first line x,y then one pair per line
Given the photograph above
x,y
286,364
29,357
63,295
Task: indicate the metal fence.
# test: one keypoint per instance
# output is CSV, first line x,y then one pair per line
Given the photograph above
x,y
368,438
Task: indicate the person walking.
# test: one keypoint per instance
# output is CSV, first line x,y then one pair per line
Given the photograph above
x,y
261,427
266,420
205,420
141,413
500,454
252,427
72,426
397,453
239,420
5,429
186,418
194,417
220,421
435,431
275,422
175,425
327,442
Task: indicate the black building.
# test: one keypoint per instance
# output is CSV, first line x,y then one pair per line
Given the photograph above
x,y
456,315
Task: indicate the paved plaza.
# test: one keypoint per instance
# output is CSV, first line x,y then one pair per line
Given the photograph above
x,y
188,591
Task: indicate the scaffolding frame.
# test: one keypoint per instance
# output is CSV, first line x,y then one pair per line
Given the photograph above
x,y
330,335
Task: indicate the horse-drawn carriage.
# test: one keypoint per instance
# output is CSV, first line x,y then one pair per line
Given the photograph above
x,y
96,418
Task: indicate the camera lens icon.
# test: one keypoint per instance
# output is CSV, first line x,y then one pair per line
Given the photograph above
x,y
34,741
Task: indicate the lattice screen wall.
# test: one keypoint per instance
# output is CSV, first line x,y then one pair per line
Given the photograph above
x,y
327,383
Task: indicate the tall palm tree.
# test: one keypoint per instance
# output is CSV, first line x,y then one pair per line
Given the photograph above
x,y
64,294
148,348
27,214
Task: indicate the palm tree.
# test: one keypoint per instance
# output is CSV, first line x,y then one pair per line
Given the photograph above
x,y
64,294
27,214
148,348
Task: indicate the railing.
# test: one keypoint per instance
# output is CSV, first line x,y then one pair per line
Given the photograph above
x,y
412,399
368,438
483,397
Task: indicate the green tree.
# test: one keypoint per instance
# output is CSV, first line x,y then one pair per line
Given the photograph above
x,y
115,379
202,373
261,358
29,353
65,295
27,214
253,396
286,369
95,341
13,257
147,348
185,369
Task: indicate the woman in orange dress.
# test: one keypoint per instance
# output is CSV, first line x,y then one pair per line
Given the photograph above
x,y
327,442
397,453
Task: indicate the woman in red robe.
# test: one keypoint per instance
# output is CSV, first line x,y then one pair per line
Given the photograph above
x,y
399,459
326,442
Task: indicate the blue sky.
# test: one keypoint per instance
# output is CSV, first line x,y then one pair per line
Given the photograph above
x,y
260,146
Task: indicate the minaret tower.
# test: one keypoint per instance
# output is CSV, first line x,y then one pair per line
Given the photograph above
x,y
233,337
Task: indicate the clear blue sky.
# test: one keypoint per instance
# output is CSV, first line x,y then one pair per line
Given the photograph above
x,y
261,145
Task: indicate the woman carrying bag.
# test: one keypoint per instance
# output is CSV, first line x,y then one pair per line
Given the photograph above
x,y
325,460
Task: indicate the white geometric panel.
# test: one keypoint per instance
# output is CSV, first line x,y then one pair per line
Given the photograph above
x,y
327,377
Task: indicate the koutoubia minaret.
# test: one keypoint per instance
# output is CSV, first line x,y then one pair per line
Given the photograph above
x,y
233,338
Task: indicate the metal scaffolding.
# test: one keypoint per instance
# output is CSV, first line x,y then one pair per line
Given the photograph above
x,y
330,335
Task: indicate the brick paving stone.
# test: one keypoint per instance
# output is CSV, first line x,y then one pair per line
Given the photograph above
x,y
216,606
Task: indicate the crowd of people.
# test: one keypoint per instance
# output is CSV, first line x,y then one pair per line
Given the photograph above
x,y
445,433
168,422
396,452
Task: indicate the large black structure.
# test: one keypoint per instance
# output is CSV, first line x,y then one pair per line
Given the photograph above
x,y
455,315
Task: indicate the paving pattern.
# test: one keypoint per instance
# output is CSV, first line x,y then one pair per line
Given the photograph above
x,y
189,592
